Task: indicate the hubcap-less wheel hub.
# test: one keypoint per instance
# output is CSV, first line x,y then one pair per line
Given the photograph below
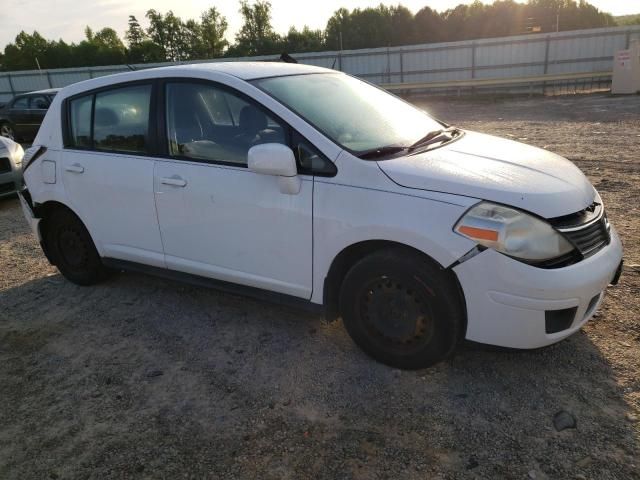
x,y
395,313
72,248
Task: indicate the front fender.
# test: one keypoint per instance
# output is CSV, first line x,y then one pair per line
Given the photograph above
x,y
345,215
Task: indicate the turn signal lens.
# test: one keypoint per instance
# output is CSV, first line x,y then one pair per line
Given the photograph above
x,y
479,233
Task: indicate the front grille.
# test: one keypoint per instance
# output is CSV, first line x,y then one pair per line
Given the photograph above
x,y
590,239
7,187
577,219
591,235
5,165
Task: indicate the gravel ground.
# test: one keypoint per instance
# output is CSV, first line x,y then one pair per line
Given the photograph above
x,y
147,378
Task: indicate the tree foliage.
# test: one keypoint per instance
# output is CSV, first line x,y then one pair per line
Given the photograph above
x,y
170,38
628,19
256,36
214,28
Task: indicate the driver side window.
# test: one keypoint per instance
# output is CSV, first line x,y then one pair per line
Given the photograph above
x,y
205,122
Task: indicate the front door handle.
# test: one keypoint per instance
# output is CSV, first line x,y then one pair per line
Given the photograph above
x,y
175,181
75,168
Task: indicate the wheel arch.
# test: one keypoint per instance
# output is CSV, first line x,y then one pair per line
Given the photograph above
x,y
353,253
43,211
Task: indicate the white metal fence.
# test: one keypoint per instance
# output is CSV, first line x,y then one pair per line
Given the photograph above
x,y
507,57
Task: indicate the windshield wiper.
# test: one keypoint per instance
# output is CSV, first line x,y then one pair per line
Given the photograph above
x,y
381,152
443,135
433,137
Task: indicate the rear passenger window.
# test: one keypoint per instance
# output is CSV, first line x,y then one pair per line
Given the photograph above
x,y
21,103
121,119
38,102
80,120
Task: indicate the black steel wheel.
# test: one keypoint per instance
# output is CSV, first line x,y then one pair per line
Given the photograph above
x,y
72,249
402,308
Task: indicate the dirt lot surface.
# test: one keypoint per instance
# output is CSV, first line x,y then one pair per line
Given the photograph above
x,y
146,378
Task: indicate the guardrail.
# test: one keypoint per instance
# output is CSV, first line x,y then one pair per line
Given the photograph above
x,y
497,82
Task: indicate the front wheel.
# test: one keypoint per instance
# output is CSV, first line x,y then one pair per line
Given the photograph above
x,y
402,309
72,249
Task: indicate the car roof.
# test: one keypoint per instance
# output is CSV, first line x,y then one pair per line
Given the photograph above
x,y
251,70
241,70
47,91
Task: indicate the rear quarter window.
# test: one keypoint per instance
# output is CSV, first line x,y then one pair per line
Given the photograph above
x,y
80,121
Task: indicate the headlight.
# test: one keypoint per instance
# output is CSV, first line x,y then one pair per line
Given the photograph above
x,y
17,154
512,232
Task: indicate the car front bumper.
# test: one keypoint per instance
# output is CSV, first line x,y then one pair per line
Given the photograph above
x,y
508,301
10,182
32,220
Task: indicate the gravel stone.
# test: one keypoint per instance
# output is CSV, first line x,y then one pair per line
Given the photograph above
x,y
563,420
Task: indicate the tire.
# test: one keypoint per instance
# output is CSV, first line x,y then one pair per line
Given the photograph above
x,y
6,130
402,309
72,250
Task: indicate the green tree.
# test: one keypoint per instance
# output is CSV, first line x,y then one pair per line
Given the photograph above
x,y
141,48
256,36
402,28
380,26
192,41
305,40
627,19
135,34
213,28
103,47
22,54
428,26
337,26
166,32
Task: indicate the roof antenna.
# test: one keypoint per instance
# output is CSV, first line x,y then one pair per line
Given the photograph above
x,y
286,58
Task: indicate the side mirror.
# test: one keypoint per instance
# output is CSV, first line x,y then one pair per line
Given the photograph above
x,y
277,160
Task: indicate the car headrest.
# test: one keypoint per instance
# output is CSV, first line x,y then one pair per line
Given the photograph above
x,y
105,117
252,120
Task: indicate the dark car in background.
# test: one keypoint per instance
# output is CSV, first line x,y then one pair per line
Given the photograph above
x,y
21,117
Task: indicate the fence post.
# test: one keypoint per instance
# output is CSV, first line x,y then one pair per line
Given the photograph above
x,y
547,43
473,59
546,53
401,68
90,72
49,79
388,65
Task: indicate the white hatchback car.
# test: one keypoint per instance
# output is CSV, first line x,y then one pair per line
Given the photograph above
x,y
306,184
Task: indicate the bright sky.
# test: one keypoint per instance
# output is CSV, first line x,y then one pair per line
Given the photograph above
x,y
66,19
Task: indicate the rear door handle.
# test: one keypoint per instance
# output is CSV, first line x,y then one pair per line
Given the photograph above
x,y
75,168
175,181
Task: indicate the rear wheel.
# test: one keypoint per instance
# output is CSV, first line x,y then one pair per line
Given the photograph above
x,y
6,130
72,249
402,309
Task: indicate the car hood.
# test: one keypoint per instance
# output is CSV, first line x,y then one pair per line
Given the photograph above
x,y
496,169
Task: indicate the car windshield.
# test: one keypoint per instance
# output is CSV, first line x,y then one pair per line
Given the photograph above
x,y
354,114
